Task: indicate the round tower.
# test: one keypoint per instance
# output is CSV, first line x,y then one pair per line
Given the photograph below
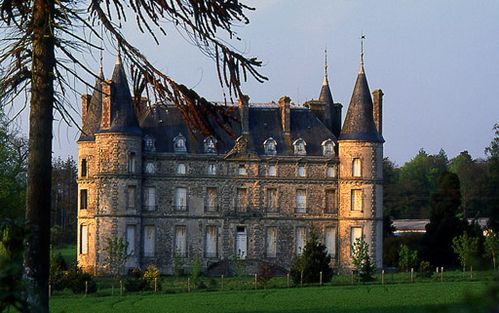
x,y
117,175
360,148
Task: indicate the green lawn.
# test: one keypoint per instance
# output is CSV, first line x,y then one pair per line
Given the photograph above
x,y
406,298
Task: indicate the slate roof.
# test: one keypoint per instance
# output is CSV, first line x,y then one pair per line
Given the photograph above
x,y
94,111
123,116
264,122
359,121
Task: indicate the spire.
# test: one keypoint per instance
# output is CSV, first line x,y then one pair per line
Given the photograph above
x,y
359,122
362,38
94,108
325,82
123,117
326,95
118,57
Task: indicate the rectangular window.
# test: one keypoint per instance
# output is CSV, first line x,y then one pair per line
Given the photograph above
x,y
242,199
181,169
131,198
181,199
331,171
83,239
83,199
330,240
301,201
355,233
212,169
149,240
241,170
300,239
302,172
211,199
331,206
272,200
130,239
132,162
181,240
356,167
211,242
150,198
356,200
272,170
271,242
83,167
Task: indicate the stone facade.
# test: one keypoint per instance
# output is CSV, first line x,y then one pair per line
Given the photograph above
x,y
240,200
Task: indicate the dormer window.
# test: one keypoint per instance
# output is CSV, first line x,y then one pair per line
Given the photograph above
x,y
149,143
179,144
328,148
150,167
210,145
270,146
300,147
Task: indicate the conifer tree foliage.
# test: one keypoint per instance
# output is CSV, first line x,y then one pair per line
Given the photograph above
x,y
312,261
42,52
444,221
361,260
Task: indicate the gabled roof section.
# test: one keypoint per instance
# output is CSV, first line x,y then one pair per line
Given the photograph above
x,y
359,122
94,110
123,117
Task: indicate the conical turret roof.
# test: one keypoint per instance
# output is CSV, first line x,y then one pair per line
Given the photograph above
x,y
94,109
123,117
326,96
359,122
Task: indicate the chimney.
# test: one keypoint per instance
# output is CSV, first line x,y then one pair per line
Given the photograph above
x,y
85,102
284,110
378,110
243,104
106,105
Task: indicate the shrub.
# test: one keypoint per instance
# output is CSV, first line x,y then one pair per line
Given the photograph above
x,y
196,268
75,279
150,276
313,260
407,258
465,247
56,272
265,273
135,280
425,269
177,265
362,261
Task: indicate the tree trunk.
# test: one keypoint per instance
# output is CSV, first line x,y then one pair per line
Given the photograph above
x,y
36,259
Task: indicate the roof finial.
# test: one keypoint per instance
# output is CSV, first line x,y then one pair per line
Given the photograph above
x,y
325,82
101,54
362,38
118,58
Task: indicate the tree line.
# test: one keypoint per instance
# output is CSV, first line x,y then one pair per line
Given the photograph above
x,y
408,189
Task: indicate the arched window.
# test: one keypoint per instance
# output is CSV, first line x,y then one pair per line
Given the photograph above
x,y
210,145
328,148
356,167
300,146
270,146
179,144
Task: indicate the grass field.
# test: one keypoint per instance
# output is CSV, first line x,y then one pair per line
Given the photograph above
x,y
406,298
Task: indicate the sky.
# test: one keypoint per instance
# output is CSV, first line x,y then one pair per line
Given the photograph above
x,y
436,62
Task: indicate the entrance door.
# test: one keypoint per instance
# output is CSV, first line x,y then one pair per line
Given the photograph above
x,y
241,242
